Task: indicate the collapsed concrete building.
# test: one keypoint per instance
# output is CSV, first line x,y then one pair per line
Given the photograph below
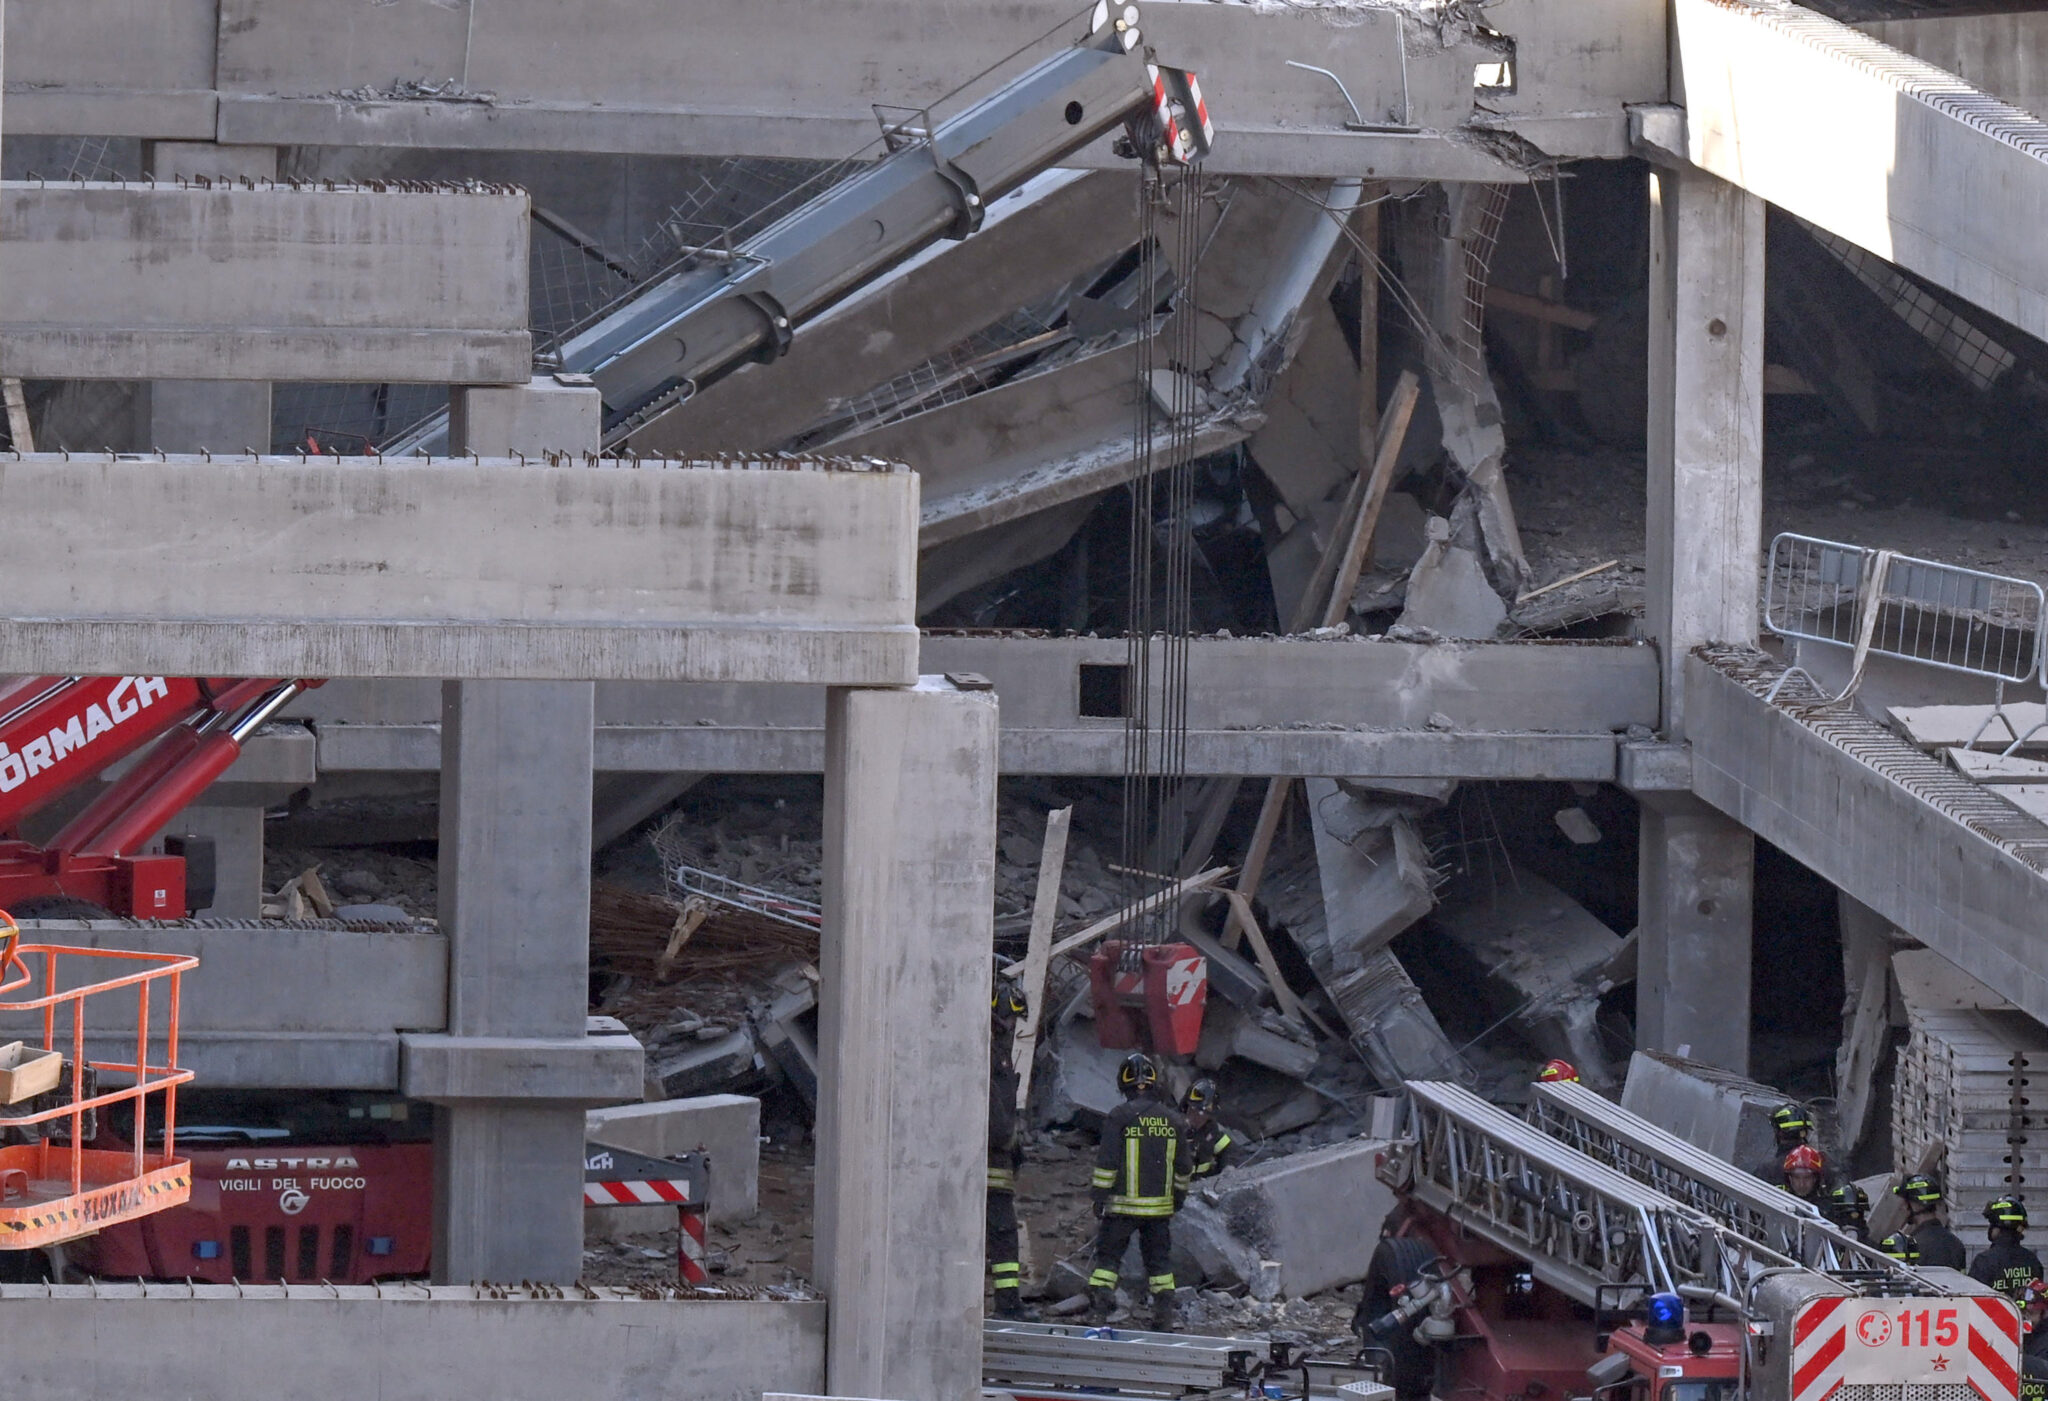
x,y
1634,283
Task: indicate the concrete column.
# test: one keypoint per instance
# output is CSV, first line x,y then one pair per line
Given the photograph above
x,y
910,793
237,834
515,901
217,415
1703,552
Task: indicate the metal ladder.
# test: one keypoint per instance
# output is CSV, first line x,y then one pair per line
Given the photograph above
x,y
1739,1201
1586,1230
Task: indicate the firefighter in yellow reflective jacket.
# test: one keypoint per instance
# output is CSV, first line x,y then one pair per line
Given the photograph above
x,y
1005,1149
1141,1174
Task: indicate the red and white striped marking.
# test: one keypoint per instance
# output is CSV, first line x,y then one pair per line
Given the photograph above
x,y
674,1191
1972,1340
690,1249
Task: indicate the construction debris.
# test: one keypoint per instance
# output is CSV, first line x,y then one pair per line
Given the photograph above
x,y
1282,1211
1534,955
1961,1100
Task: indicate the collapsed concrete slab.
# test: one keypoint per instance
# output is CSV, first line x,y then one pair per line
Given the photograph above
x,y
1228,1032
1379,1003
1285,1211
1376,874
707,1066
726,1128
1715,1110
1535,956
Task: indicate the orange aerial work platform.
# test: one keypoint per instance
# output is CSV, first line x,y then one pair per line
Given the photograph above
x,y
55,1190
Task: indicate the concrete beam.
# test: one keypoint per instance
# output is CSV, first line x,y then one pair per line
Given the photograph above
x,y
264,282
157,81
1948,862
1257,706
639,83
589,1069
457,567
404,1342
311,977
1877,147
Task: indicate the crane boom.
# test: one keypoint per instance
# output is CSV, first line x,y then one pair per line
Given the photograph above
x,y
724,307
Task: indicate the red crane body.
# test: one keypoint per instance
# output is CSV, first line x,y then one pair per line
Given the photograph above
x,y
60,732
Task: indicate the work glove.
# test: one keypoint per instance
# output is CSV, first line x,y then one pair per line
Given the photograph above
x,y
1101,1208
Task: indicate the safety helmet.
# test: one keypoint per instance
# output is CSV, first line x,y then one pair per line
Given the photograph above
x,y
1846,1205
1137,1073
2007,1211
1901,1247
1200,1098
1007,998
1557,1071
1790,1121
2035,1294
1921,1188
1805,1158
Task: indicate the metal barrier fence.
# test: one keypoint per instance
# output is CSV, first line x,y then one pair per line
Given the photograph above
x,y
1895,605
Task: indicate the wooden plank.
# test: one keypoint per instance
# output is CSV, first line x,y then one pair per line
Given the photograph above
x,y
1045,905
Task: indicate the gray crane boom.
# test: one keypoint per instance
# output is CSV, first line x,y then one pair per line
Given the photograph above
x,y
722,308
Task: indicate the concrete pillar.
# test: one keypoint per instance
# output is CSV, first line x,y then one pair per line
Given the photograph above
x,y
217,415
910,794
515,900
1703,552
1694,892
237,834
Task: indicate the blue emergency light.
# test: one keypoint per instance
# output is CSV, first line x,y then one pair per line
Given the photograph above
x,y
1666,1311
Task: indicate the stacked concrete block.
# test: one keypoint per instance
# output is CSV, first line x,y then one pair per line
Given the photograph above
x,y
1962,1089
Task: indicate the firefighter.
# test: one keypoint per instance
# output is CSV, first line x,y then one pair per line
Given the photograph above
x,y
1802,1173
1005,1149
1921,1193
1555,1071
2034,1346
1141,1174
2006,1265
1901,1247
1791,1127
2034,1318
1848,1206
1211,1148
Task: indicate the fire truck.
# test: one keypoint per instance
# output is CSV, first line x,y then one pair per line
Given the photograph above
x,y
287,1188
1586,1252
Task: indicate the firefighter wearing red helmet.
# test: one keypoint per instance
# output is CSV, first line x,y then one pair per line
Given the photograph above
x,y
1557,1072
1803,1171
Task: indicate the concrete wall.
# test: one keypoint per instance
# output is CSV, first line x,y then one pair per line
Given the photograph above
x,y
141,282
1257,706
266,72
400,1343
458,568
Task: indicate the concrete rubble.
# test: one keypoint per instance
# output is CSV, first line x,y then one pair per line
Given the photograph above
x,y
1534,956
